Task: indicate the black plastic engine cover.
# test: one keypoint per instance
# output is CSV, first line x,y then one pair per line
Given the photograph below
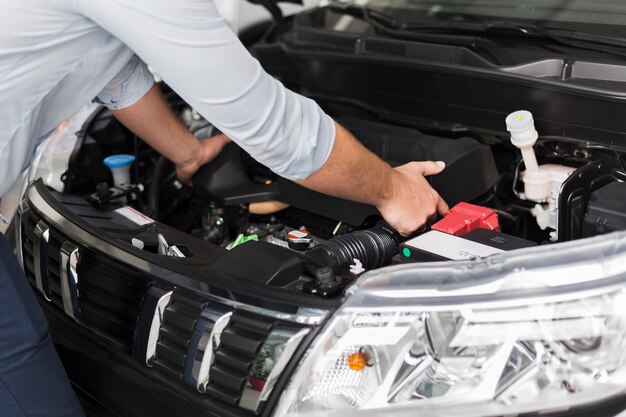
x,y
470,172
470,168
227,181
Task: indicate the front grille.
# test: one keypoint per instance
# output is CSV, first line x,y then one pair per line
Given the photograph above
x,y
208,344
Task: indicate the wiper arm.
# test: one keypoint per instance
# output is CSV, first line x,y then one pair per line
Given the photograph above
x,y
577,36
577,39
389,25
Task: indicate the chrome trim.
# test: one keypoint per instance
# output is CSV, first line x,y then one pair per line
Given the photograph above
x,y
311,317
69,278
42,234
19,249
155,327
211,338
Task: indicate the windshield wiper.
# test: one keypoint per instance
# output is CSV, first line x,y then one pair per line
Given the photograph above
x,y
446,30
576,39
389,26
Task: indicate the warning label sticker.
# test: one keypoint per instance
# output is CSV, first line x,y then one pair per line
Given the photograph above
x,y
134,216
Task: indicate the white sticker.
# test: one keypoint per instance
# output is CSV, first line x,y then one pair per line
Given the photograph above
x,y
134,216
451,247
373,336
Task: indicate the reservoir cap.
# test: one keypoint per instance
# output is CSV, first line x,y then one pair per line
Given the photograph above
x,y
520,121
118,161
299,239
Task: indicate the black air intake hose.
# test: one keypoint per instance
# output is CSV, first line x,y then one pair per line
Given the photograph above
x,y
373,247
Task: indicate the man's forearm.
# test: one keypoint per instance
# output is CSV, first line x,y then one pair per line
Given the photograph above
x,y
154,122
352,172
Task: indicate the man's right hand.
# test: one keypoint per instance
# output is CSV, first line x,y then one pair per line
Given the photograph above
x,y
402,195
411,201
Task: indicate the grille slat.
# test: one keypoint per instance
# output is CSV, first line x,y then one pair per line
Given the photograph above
x,y
53,263
175,335
28,247
232,360
29,268
54,281
252,323
28,222
181,318
248,344
230,379
173,353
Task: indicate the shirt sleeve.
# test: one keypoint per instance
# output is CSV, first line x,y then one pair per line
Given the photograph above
x,y
192,48
128,86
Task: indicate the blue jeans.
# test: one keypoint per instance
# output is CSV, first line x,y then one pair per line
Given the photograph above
x,y
32,379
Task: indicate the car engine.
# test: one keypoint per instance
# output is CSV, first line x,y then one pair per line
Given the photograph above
x,y
318,244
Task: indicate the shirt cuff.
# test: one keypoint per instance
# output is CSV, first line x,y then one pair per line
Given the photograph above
x,y
128,86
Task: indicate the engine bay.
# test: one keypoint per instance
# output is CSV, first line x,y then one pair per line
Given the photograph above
x,y
241,218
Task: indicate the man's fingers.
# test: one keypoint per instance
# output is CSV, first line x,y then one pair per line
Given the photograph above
x,y
442,207
212,147
431,168
415,202
222,139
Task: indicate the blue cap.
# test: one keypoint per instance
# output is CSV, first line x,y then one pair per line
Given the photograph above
x,y
118,161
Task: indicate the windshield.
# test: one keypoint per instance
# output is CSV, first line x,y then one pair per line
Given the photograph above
x,y
599,16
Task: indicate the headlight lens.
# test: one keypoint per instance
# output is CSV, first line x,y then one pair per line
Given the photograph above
x,y
420,341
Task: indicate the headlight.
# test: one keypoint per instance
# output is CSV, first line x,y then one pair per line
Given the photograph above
x,y
539,331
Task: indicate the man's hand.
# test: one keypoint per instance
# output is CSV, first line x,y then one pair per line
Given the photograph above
x,y
210,148
402,195
411,201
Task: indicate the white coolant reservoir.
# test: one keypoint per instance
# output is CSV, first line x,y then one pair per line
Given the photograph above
x,y
541,182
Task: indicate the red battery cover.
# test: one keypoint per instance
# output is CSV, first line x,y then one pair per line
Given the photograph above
x,y
465,217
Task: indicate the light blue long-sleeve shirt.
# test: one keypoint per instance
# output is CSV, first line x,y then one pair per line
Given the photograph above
x,y
57,55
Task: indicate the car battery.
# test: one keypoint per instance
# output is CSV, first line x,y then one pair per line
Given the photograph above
x,y
467,232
